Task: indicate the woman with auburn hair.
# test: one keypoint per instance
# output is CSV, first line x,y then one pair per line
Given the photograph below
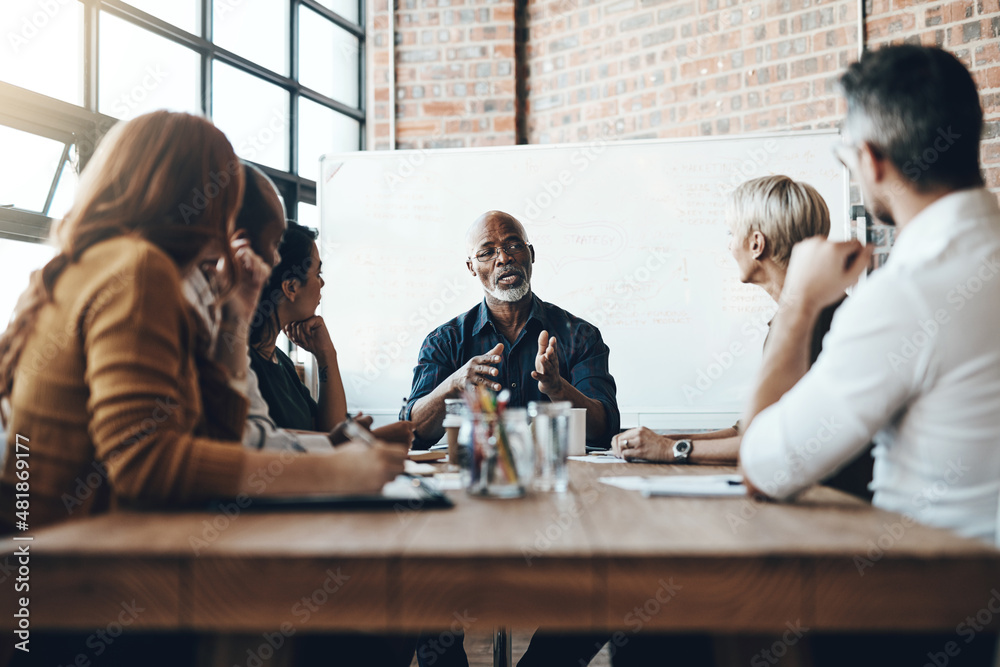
x,y
100,360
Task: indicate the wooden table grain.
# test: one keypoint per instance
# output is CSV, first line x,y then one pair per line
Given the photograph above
x,y
594,558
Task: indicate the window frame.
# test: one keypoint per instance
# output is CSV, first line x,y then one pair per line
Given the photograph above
x,y
39,114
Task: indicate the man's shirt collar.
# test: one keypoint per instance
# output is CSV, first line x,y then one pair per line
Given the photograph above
x,y
935,227
483,316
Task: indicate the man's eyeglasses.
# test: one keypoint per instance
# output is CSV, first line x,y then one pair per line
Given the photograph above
x,y
513,248
847,154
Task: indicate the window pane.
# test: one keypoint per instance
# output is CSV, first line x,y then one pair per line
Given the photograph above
x,y
328,58
65,190
323,130
253,113
258,30
141,72
17,260
27,172
43,48
346,8
308,216
185,14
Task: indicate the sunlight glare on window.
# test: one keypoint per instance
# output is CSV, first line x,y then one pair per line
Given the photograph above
x,y
328,58
185,14
323,130
346,8
17,260
43,47
254,115
25,182
141,72
255,29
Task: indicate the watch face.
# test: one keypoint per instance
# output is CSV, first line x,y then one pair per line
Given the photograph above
x,y
683,447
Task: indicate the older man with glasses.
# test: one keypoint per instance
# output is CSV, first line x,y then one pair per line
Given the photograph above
x,y
512,340
515,341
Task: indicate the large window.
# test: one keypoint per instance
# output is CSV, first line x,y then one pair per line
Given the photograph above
x,y
282,78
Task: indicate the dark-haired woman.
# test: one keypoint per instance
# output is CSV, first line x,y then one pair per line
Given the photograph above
x,y
288,303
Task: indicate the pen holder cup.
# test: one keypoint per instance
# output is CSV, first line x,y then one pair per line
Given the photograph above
x,y
502,456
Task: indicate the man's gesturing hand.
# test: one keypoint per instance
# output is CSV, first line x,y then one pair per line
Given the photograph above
x,y
547,366
478,370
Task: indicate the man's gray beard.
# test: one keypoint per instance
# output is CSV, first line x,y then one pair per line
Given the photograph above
x,y
512,294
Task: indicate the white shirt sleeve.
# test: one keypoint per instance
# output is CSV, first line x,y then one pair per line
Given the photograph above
x,y
867,371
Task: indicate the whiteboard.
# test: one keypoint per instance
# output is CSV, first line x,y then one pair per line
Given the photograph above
x,y
630,236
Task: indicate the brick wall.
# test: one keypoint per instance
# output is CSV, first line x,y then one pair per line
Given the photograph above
x,y
970,30
668,68
379,129
454,69
646,68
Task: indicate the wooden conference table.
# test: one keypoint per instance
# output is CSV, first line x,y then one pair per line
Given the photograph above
x,y
597,557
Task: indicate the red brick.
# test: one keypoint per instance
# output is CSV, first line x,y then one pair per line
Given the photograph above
x,y
991,104
832,39
890,25
490,33
878,7
411,128
504,87
992,177
987,54
503,124
988,78
991,152
813,110
465,126
443,108
932,38
959,11
766,120
504,13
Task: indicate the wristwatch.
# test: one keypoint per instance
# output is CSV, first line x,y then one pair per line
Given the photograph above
x,y
682,450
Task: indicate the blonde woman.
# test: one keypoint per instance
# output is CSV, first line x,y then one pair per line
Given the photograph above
x,y
767,216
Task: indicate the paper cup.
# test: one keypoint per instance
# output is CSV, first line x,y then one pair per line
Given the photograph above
x,y
578,432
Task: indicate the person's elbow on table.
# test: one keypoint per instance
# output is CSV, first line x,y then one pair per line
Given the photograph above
x,y
766,471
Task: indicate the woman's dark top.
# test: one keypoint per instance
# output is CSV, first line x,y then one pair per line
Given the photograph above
x,y
287,398
854,477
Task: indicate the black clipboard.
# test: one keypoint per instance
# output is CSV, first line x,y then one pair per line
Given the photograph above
x,y
423,498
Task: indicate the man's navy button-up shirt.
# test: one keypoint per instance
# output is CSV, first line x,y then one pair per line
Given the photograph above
x,y
583,359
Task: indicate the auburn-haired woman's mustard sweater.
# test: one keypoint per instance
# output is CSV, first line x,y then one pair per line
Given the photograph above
x,y
106,395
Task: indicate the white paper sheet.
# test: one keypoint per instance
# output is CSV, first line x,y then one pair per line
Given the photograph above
x,y
680,485
597,458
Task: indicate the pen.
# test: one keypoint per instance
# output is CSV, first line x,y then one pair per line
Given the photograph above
x,y
419,482
356,432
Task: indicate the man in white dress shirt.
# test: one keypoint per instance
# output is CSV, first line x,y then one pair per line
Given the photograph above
x,y
913,358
